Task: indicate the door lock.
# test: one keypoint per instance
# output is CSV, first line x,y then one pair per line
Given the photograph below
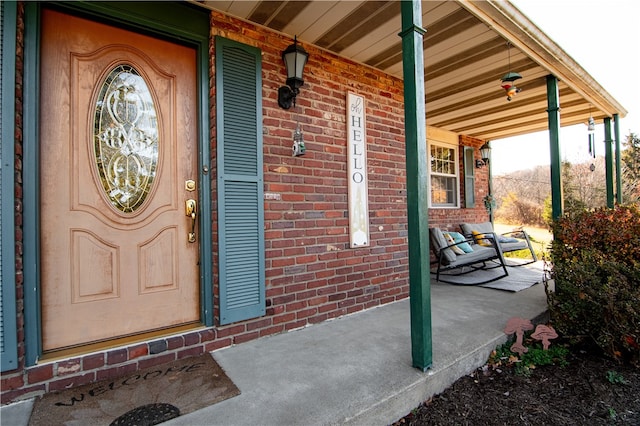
x,y
191,211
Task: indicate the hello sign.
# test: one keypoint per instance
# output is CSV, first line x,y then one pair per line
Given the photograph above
x,y
357,171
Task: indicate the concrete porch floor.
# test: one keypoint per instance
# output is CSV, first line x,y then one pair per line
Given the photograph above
x,y
356,369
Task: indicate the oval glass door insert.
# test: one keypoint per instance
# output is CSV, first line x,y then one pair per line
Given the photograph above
x,y
126,138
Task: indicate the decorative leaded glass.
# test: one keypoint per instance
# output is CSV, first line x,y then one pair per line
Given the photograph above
x,y
126,138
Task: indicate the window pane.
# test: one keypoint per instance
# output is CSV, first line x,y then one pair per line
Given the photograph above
x,y
443,190
444,176
443,160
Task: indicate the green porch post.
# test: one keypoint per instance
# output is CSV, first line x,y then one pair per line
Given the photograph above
x,y
553,110
417,212
616,133
608,160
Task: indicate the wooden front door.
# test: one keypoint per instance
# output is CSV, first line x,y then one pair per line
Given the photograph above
x,y
118,158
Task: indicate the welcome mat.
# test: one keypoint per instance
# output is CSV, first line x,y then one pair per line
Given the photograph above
x,y
143,398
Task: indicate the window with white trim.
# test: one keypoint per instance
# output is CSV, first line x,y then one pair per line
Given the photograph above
x,y
444,184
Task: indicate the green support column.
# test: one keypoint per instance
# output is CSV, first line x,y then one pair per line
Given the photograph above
x,y
608,160
553,110
616,133
417,206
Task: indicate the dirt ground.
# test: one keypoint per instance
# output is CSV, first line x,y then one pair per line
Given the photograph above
x,y
590,390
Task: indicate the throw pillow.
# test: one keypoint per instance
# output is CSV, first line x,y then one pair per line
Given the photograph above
x,y
450,241
503,239
438,243
459,238
480,239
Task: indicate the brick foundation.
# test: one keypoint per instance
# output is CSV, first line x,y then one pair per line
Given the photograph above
x,y
65,373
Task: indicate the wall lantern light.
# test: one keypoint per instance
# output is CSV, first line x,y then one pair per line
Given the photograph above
x,y
295,58
507,80
485,153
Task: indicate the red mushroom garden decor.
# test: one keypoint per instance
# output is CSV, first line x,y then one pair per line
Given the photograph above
x,y
544,333
519,326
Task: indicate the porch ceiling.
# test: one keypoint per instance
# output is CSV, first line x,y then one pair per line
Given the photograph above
x,y
465,54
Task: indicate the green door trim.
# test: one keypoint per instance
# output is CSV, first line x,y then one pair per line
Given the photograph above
x,y
8,319
180,22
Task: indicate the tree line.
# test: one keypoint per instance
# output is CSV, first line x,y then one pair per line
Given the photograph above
x,y
524,196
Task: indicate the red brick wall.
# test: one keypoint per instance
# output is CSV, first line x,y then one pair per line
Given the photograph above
x,y
311,273
15,380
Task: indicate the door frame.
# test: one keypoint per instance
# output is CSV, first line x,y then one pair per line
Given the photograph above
x,y
182,22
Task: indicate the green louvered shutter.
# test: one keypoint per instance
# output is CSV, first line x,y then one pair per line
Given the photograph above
x,y
8,333
240,181
469,178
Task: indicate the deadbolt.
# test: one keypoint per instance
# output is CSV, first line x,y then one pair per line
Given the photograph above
x,y
190,185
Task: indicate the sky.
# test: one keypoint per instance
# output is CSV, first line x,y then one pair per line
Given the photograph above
x,y
603,37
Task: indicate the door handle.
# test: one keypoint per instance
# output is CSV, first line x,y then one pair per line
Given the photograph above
x,y
191,211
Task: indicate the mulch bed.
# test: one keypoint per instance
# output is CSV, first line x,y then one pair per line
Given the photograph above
x,y
591,390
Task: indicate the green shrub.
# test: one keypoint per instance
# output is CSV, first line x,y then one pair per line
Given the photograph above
x,y
536,356
596,269
616,378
